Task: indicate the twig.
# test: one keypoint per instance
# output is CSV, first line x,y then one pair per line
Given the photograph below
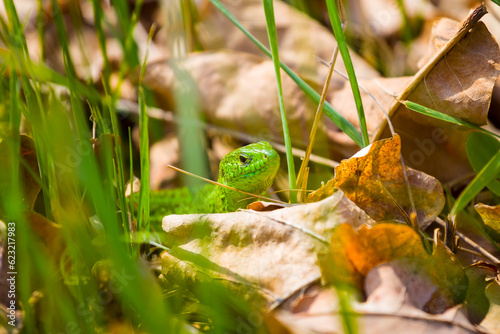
x,y
471,243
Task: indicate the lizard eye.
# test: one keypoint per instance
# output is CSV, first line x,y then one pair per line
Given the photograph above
x,y
243,159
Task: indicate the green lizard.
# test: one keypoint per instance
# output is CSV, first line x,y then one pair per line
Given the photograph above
x,y
250,168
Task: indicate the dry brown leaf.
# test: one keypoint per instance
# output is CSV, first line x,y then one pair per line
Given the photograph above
x,y
272,253
419,289
459,84
353,254
48,233
388,309
490,215
237,90
395,295
375,182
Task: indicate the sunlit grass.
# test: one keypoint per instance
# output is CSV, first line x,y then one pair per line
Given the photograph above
x,y
78,187
273,41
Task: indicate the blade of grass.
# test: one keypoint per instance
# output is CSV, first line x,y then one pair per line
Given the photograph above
x,y
36,263
41,29
444,117
488,173
192,139
333,11
407,34
131,179
118,161
101,37
19,62
42,73
346,294
301,6
127,23
137,291
329,111
11,204
273,42
143,211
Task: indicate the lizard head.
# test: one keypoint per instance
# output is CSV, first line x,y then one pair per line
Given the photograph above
x,y
250,168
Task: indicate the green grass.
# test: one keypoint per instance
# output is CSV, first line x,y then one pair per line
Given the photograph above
x,y
333,12
77,186
273,42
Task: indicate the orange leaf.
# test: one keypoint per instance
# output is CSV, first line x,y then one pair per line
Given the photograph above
x,y
376,183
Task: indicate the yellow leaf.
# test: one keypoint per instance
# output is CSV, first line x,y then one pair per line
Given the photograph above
x,y
376,183
490,215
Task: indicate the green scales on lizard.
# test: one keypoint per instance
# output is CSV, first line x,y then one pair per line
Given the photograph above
x,y
250,168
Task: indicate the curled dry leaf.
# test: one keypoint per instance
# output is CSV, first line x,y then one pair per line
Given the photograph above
x,y
390,308
490,215
395,293
458,83
272,253
376,183
419,289
461,83
353,254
